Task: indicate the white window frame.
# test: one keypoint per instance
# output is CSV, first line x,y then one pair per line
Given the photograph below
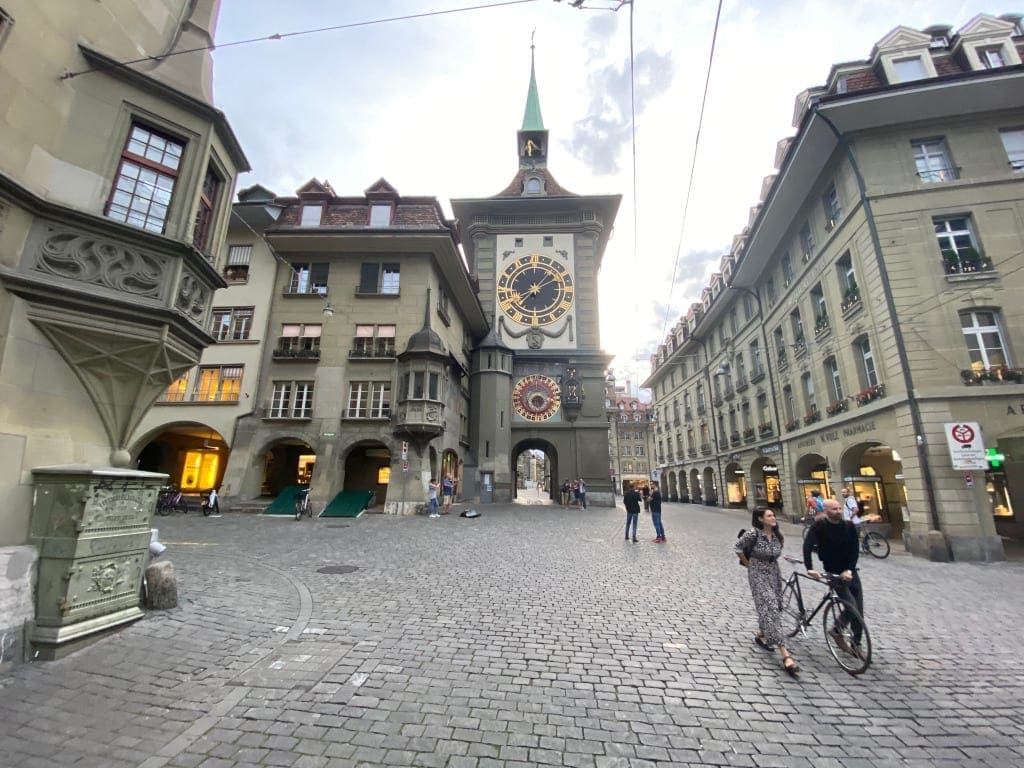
x,y
230,324
867,359
983,355
1013,143
834,378
932,160
369,400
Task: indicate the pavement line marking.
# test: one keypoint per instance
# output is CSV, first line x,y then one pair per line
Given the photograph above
x,y
180,743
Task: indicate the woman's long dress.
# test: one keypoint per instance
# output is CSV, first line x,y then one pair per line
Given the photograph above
x,y
765,582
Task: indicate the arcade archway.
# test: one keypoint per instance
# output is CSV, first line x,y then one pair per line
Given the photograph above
x,y
284,462
696,493
535,472
873,472
813,474
368,468
193,455
710,487
764,484
735,485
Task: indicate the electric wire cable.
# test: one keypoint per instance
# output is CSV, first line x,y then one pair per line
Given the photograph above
x,y
693,165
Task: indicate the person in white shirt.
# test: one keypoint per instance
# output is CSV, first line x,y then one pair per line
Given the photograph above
x,y
851,510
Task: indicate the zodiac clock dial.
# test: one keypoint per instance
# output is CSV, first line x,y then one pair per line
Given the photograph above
x,y
536,397
535,290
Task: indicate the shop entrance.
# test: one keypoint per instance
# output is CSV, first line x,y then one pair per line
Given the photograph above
x,y
193,455
764,479
735,485
286,463
813,474
874,474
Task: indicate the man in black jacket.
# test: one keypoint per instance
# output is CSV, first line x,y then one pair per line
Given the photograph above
x,y
838,548
655,505
632,501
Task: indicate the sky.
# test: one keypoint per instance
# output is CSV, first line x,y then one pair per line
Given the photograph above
x,y
433,104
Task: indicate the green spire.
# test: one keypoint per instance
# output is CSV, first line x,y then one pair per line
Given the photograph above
x,y
532,121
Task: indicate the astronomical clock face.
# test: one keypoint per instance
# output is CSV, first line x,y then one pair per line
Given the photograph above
x,y
535,290
536,397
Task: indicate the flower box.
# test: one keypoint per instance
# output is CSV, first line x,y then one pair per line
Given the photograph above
x,y
748,433
837,407
997,373
869,394
764,429
791,425
812,416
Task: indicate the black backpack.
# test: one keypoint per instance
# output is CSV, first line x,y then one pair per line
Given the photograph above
x,y
747,550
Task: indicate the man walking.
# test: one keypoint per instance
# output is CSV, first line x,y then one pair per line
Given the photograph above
x,y
838,549
851,509
655,504
631,499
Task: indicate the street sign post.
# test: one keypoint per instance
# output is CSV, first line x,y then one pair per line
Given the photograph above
x,y
966,445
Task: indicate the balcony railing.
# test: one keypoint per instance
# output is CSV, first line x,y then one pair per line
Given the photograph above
x,y
741,383
296,354
705,448
765,429
851,299
363,348
691,452
933,175
734,439
207,398
748,434
756,374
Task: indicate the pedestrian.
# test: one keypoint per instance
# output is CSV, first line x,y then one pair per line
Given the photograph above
x,y
838,548
646,493
815,505
566,490
447,494
851,510
432,497
581,493
759,550
655,505
631,498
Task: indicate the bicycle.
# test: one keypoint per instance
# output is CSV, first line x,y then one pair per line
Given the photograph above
x,y
303,504
170,499
873,543
838,615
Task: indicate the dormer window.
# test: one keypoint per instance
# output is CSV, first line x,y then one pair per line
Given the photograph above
x,y
534,185
380,215
311,215
909,69
991,57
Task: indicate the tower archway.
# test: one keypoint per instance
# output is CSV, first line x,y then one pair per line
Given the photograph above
x,y
535,476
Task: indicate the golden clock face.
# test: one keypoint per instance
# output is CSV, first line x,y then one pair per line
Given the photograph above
x,y
535,290
536,397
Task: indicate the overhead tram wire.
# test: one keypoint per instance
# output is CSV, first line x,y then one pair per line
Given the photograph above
x,y
693,164
282,36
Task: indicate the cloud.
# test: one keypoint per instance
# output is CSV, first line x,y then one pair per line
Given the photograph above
x,y
599,139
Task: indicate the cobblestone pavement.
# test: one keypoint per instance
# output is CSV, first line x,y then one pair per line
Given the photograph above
x,y
529,636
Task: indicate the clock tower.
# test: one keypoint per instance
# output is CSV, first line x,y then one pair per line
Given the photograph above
x,y
535,250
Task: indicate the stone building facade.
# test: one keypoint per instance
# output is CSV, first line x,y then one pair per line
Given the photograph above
x,y
872,304
631,456
115,189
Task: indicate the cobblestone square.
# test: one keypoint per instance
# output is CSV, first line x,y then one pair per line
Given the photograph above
x,y
530,636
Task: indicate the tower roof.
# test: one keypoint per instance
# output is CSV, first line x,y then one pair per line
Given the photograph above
x,y
532,120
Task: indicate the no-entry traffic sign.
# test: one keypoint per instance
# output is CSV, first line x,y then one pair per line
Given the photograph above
x,y
966,445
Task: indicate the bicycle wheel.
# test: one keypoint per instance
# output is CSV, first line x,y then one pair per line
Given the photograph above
x,y
163,508
876,544
309,509
181,505
792,610
298,510
854,659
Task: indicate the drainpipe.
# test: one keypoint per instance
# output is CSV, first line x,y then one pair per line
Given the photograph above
x,y
890,304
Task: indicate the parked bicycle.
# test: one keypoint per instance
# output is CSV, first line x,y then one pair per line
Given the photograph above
x,y
170,499
871,542
838,622
210,504
302,504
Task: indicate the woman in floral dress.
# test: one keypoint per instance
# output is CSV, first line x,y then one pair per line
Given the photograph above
x,y
764,543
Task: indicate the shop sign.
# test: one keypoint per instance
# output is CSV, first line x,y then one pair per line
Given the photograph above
x,y
769,469
405,451
772,448
851,430
966,445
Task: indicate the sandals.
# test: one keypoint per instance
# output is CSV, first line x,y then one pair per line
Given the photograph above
x,y
790,666
759,639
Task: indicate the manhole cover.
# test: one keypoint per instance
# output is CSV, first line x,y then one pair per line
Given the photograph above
x,y
337,569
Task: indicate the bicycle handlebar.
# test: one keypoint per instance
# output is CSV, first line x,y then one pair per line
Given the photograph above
x,y
825,575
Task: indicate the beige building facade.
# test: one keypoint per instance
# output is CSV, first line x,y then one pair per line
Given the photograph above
x,y
868,316
115,188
